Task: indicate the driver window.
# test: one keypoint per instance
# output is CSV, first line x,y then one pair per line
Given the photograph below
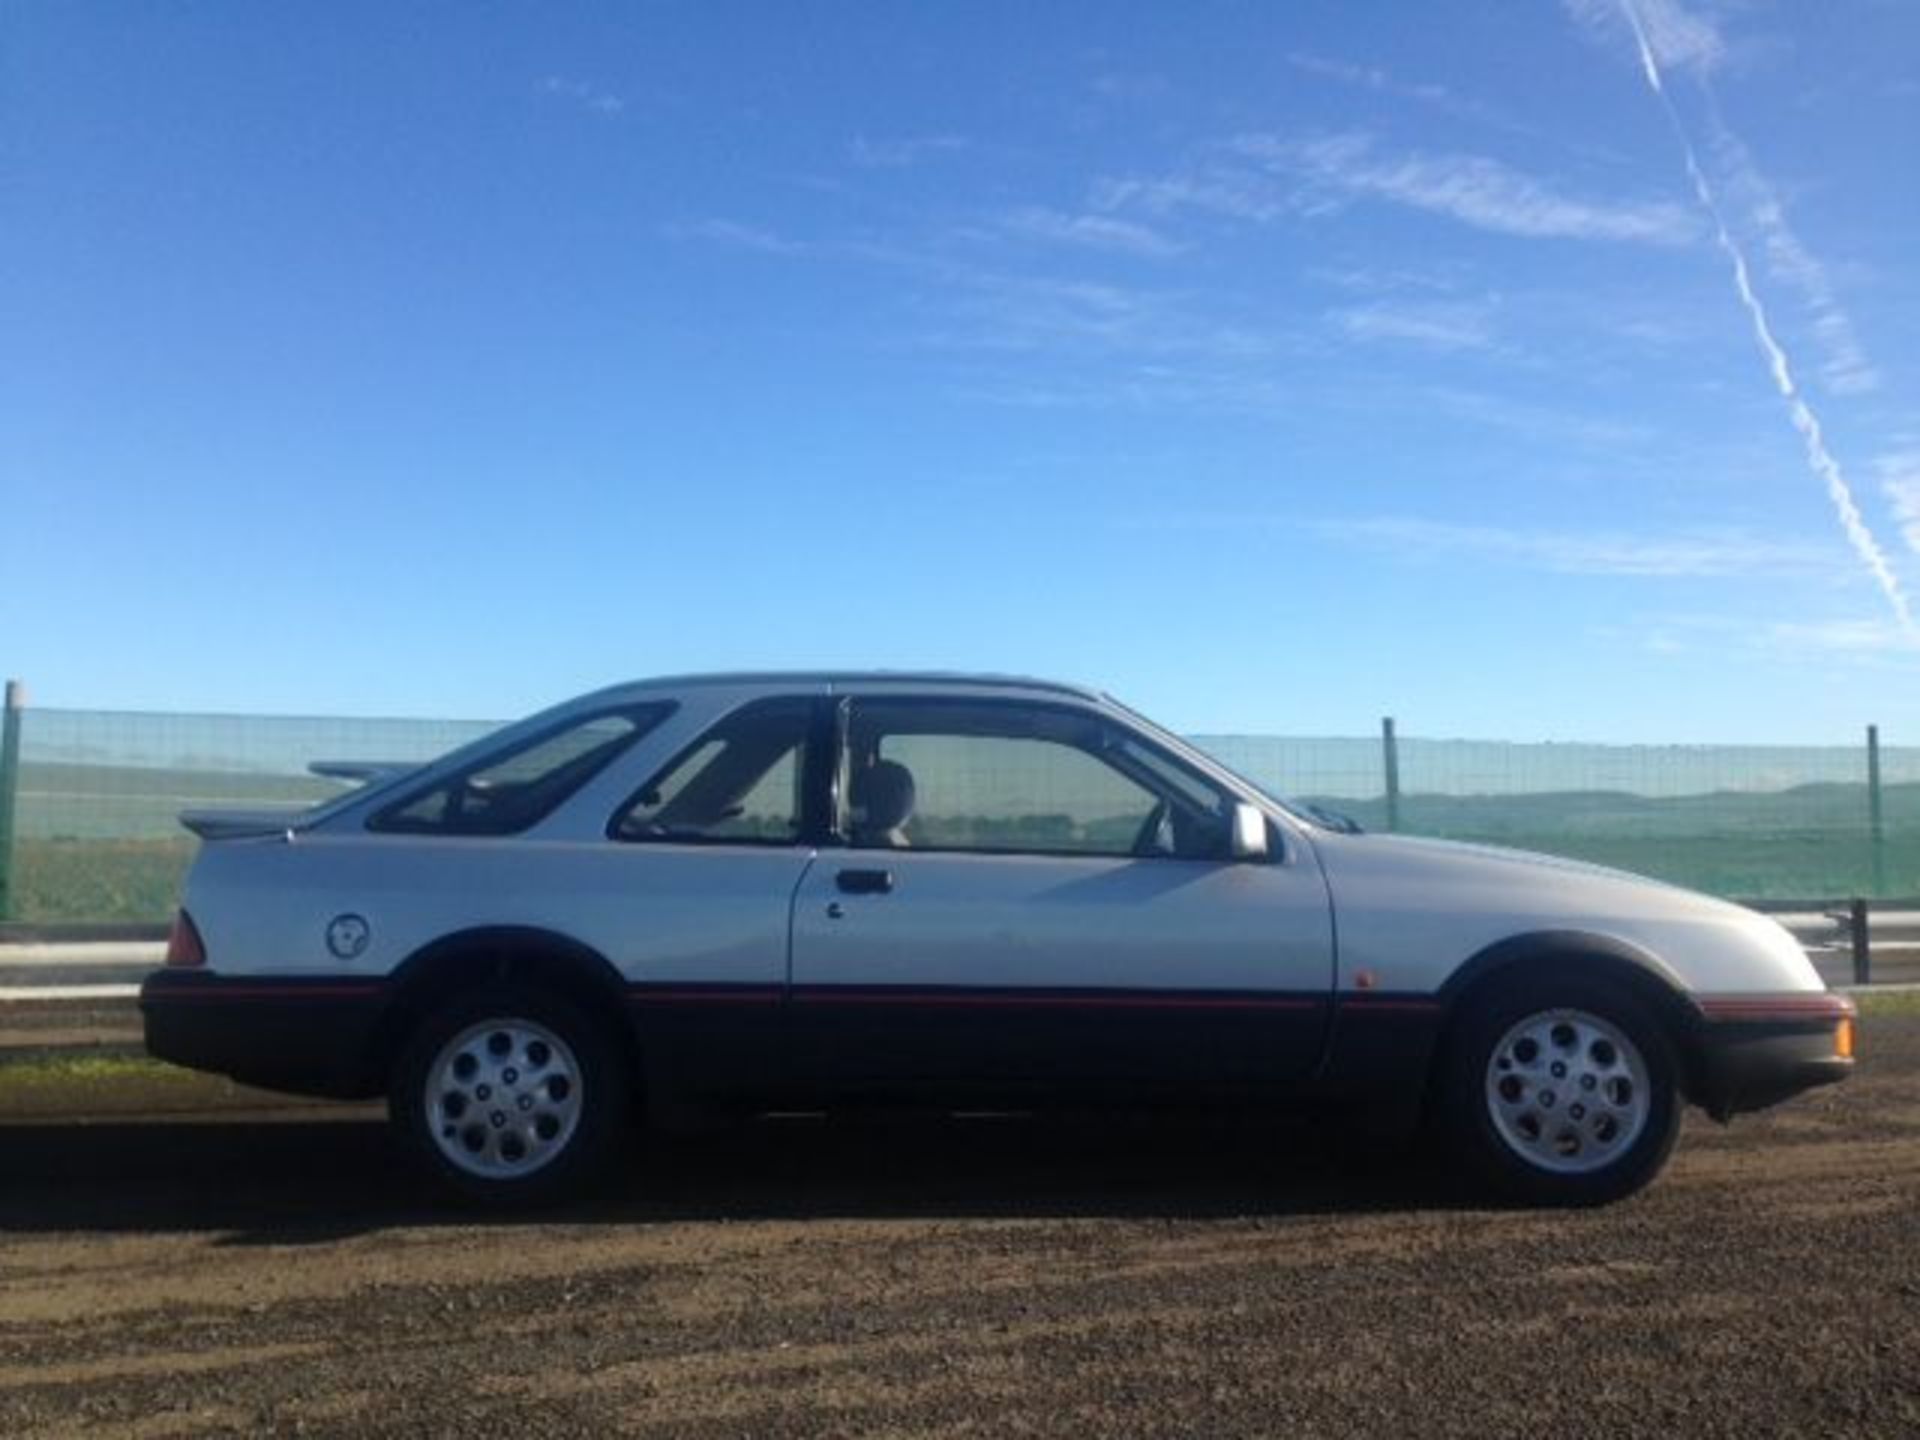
x,y
1002,779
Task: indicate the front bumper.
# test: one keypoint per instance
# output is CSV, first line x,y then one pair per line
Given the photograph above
x,y
305,1035
1755,1051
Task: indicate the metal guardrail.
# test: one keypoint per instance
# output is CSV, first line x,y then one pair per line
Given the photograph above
x,y
1868,935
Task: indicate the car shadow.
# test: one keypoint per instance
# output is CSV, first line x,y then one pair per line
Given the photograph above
x,y
312,1180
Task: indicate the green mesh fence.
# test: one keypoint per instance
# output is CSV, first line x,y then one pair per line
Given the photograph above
x,y
98,795
1753,822
97,834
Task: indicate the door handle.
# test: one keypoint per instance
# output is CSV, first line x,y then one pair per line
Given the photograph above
x,y
865,882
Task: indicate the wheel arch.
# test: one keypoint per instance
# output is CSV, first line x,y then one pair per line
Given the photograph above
x,y
1638,971
498,954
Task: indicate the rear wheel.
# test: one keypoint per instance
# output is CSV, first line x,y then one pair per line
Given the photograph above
x,y
510,1096
1562,1092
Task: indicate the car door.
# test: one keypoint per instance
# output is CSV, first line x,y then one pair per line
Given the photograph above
x,y
702,863
1034,900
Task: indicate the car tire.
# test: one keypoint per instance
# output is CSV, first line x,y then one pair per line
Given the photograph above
x,y
1560,1092
511,1097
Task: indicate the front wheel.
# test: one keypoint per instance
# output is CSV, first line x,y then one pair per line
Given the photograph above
x,y
1562,1093
510,1097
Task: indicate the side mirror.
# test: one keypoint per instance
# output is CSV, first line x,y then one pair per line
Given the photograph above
x,y
1248,838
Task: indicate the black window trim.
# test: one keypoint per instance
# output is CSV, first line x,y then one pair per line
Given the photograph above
x,y
825,781
384,821
843,759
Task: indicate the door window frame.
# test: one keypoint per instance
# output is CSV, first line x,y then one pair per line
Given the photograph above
x,y
840,833
817,792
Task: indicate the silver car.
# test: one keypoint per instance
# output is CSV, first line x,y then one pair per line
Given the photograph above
x,y
732,893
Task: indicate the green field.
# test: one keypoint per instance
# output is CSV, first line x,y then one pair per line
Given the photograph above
x,y
139,880
1808,842
99,843
116,802
98,1087
56,881
102,843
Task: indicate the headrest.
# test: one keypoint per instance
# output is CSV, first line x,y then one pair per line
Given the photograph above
x,y
884,795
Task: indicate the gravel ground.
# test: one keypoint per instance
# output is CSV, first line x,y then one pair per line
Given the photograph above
x,y
271,1273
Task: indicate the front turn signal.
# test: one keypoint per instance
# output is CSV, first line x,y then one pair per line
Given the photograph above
x,y
1843,1038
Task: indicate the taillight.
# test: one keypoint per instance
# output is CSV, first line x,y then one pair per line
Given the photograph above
x,y
184,949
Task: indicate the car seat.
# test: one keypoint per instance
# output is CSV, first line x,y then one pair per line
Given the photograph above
x,y
883,796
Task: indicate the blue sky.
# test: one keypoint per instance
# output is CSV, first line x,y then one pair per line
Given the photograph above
x,y
1276,367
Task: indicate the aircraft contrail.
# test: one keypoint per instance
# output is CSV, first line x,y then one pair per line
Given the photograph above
x,y
1798,410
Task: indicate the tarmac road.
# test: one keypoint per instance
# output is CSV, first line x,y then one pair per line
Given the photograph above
x,y
275,1273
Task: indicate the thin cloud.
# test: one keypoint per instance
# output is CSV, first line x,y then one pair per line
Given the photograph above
x,y
1472,189
1848,637
1437,326
1376,80
1547,424
1126,85
1665,37
1703,554
1877,643
995,311
581,93
1660,34
1844,369
1260,178
736,236
1820,459
1139,387
1089,232
1371,77
1434,278
1899,474
903,152
1234,192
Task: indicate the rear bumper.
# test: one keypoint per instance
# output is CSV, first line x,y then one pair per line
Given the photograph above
x,y
304,1035
1755,1051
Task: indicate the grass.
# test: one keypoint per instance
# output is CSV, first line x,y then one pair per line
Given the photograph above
x,y
1905,1002
37,1071
81,1075
40,1086
72,861
56,1086
98,880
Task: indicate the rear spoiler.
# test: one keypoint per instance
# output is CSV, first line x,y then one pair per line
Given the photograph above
x,y
364,771
277,820
240,824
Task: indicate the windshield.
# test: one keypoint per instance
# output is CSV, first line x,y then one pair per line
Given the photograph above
x,y
1305,811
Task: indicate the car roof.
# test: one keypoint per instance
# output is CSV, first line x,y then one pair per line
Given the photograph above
x,y
741,679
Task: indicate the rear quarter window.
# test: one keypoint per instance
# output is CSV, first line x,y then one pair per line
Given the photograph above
x,y
509,790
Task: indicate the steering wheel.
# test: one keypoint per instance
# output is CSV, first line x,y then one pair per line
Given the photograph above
x,y
1146,840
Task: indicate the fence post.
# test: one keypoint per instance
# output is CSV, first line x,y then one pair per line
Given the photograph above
x,y
1390,763
1862,942
9,786
1876,831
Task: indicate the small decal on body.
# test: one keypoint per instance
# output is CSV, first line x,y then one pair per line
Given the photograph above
x,y
347,936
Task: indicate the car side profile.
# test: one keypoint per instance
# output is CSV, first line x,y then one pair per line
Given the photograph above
x,y
738,893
